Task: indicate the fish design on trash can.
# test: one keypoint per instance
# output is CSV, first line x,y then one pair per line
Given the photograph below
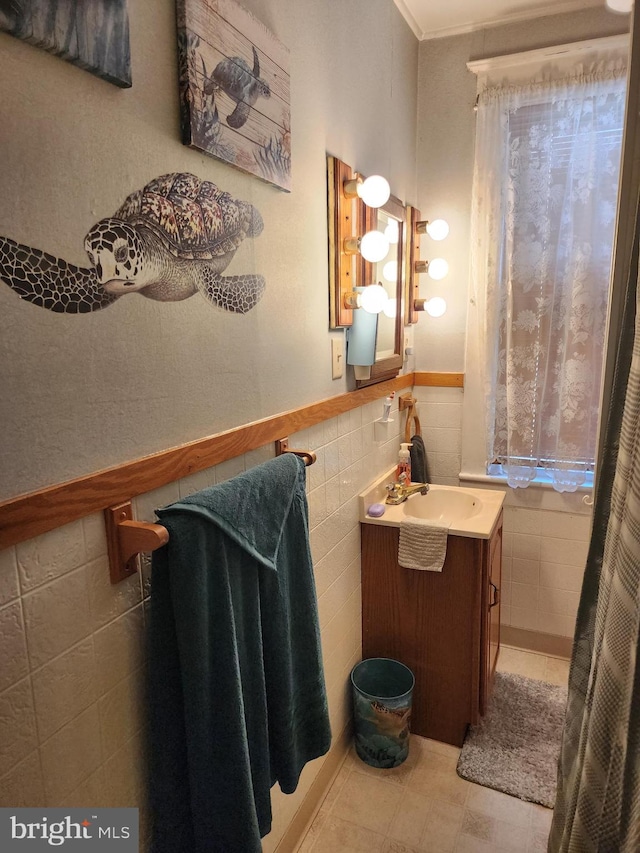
x,y
382,739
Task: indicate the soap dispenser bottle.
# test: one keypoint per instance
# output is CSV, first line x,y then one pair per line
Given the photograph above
x,y
403,471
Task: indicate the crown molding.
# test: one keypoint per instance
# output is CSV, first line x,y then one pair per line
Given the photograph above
x,y
409,18
563,7
560,51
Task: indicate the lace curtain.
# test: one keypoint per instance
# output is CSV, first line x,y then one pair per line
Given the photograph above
x,y
544,205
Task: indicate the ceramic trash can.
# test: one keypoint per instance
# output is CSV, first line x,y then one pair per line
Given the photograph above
x,y
382,691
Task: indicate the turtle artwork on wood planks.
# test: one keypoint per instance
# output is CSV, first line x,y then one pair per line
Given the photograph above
x,y
242,84
170,240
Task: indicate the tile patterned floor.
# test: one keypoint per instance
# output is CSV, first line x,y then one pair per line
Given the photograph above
x,y
423,806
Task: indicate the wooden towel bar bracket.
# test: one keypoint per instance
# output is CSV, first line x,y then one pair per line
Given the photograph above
x,y
406,401
282,446
127,539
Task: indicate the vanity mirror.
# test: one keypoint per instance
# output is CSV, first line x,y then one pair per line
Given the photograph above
x,y
366,260
390,220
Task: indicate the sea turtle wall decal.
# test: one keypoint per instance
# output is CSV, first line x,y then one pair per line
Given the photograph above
x,y
168,241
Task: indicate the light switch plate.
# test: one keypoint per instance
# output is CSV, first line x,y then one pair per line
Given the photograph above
x,y
337,357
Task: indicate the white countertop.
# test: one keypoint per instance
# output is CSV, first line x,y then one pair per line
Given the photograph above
x,y
466,512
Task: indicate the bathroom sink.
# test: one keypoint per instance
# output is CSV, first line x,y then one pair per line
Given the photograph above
x,y
464,511
443,506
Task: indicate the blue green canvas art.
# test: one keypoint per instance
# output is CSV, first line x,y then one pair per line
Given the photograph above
x,y
93,34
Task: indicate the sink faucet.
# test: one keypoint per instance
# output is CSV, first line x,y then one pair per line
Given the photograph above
x,y
399,492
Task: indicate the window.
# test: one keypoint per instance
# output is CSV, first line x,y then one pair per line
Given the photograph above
x,y
544,207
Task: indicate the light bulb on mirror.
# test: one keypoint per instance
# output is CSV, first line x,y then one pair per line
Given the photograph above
x,y
390,271
436,306
374,191
390,308
374,246
373,298
438,229
392,232
623,7
438,268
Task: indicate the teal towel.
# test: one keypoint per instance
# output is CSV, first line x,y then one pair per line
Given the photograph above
x,y
236,686
419,463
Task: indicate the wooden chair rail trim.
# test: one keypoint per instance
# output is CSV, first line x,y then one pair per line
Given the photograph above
x,y
29,515
439,380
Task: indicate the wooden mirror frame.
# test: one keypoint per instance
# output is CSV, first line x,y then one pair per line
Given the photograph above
x,y
387,368
414,266
349,218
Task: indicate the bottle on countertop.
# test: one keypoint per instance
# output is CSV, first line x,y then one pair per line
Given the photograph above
x,y
404,464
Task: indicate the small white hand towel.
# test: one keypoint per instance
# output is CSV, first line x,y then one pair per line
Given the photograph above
x,y
422,545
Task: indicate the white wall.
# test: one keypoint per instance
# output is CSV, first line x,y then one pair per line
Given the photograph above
x,y
79,393
72,713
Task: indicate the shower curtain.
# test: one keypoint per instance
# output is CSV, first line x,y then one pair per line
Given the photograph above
x,y
598,802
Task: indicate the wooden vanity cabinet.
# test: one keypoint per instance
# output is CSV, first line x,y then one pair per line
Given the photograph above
x,y
445,626
491,614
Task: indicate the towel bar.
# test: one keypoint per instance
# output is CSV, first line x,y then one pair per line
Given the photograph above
x,y
126,538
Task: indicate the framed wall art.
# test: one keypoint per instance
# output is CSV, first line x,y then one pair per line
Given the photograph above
x,y
93,34
234,89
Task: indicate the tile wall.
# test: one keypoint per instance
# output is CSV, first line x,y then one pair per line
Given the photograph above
x,y
71,704
440,412
546,534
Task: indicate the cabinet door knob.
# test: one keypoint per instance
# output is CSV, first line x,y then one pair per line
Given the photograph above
x,y
496,595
